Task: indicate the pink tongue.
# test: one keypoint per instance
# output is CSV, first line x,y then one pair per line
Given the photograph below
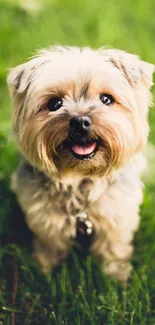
x,y
84,150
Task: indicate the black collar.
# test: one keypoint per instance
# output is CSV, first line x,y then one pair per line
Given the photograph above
x,y
84,230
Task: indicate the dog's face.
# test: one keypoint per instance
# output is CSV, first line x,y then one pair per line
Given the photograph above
x,y
79,111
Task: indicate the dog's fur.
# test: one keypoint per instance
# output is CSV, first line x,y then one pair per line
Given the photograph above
x,y
51,185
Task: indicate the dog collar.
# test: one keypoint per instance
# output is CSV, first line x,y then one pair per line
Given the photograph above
x,y
83,224
84,231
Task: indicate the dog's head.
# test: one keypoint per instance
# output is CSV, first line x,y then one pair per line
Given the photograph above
x,y
81,111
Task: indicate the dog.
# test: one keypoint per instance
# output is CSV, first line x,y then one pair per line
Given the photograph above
x,y
80,122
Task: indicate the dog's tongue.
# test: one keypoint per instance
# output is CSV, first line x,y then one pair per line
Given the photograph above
x,y
85,149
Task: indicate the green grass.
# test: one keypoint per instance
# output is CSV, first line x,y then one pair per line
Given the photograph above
x,y
76,293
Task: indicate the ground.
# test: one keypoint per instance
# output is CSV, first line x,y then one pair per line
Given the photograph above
x,y
76,293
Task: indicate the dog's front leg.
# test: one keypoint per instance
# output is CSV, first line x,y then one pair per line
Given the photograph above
x,y
115,218
112,250
52,227
52,240
49,255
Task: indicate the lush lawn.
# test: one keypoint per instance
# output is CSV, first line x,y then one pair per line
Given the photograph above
x,y
76,293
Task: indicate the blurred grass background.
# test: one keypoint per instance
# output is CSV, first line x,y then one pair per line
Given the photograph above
x,y
76,293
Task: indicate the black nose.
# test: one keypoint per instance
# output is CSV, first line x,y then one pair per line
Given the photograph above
x,y
80,123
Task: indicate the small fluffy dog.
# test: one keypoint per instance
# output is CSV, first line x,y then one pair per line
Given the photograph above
x,y
80,121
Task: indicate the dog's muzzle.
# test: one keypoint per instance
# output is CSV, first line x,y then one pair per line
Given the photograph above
x,y
82,146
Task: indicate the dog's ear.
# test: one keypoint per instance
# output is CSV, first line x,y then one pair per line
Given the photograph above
x,y
18,79
132,67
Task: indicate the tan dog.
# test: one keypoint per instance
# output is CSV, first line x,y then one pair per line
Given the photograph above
x,y
80,121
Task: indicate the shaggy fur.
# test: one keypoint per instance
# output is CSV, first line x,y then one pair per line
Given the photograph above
x,y
51,184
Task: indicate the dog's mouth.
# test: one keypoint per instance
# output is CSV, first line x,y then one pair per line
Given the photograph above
x,y
82,148
84,151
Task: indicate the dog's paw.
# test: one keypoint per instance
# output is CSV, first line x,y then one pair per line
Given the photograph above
x,y
119,269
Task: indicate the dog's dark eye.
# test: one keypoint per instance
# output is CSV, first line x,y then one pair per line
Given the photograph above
x,y
106,99
54,104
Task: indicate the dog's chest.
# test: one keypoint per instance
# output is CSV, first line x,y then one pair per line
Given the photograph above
x,y
72,199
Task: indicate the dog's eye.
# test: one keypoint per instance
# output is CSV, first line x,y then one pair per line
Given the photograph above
x,y
54,104
106,99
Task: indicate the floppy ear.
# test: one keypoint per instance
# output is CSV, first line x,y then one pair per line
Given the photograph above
x,y
147,70
21,76
132,67
18,79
